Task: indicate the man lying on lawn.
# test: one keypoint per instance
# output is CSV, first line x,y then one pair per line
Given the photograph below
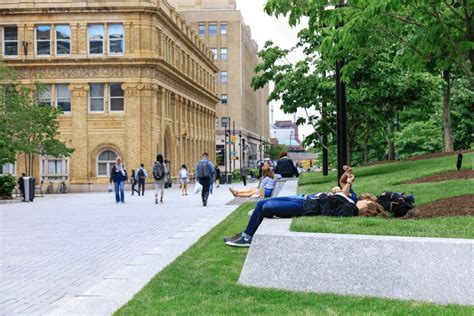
x,y
338,202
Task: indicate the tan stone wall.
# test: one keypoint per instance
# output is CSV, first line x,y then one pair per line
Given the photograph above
x,y
248,108
167,75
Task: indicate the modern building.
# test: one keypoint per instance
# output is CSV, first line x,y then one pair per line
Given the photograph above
x,y
242,111
132,78
285,132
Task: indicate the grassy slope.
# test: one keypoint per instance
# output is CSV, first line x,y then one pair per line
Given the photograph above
x,y
389,177
203,281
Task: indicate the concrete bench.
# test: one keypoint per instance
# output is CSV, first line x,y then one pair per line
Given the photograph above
x,y
437,270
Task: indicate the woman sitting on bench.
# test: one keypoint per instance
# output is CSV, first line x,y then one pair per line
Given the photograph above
x,y
264,189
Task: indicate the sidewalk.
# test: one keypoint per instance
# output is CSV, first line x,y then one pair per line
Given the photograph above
x,y
84,254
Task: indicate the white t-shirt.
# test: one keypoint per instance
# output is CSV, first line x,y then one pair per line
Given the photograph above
x,y
183,173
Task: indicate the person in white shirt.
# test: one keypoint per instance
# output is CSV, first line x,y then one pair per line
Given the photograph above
x,y
184,179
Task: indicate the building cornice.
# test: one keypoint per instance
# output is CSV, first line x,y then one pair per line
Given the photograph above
x,y
168,72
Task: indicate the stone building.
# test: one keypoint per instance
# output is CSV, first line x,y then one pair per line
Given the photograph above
x,y
132,77
223,29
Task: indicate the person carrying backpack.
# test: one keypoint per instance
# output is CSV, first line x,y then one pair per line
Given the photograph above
x,y
133,182
159,173
204,172
141,177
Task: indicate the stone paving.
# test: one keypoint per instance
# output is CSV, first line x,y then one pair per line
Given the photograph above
x,y
84,254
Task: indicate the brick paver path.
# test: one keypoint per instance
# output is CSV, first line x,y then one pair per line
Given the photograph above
x,y
84,254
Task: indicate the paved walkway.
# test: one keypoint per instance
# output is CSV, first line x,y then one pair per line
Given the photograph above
x,y
84,254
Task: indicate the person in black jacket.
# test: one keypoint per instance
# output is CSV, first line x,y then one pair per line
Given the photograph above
x,y
286,167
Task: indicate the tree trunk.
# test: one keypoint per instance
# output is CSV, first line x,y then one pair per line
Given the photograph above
x,y
390,143
366,145
448,138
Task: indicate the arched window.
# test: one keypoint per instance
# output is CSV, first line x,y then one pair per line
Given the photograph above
x,y
105,162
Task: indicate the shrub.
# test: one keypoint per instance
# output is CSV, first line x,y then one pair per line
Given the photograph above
x,y
236,174
7,184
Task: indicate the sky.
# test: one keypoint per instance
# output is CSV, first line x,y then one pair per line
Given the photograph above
x,y
265,27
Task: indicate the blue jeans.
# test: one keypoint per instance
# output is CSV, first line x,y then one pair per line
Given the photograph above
x,y
268,193
119,191
285,207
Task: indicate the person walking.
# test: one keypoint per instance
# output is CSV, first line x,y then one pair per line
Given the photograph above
x,y
142,175
133,182
244,174
21,185
218,176
184,179
159,173
118,175
204,172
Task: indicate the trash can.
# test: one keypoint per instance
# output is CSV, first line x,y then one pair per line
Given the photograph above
x,y
29,185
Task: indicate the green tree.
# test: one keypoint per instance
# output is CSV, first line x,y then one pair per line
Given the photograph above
x,y
434,35
273,151
26,127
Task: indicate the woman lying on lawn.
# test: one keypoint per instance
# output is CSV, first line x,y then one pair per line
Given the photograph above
x,y
338,202
266,186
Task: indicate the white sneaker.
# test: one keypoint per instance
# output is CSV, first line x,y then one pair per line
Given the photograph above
x,y
250,213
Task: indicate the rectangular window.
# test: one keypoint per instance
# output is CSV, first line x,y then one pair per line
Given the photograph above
x,y
95,35
10,41
44,95
224,98
225,122
212,29
223,76
224,53
63,40
223,28
96,97
63,97
54,168
116,97
7,168
202,29
43,40
214,51
115,38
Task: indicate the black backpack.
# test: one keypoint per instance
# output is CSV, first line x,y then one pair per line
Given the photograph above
x,y
396,203
158,171
141,175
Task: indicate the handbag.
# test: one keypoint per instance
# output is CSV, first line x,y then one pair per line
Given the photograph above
x,y
197,188
109,188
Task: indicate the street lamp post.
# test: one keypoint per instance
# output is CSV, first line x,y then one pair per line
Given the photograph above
x,y
225,152
240,144
341,115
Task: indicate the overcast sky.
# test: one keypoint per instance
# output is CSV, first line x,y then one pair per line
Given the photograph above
x,y
265,27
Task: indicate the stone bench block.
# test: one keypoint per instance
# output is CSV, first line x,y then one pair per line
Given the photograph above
x,y
438,270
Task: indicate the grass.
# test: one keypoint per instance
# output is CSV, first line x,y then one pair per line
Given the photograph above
x,y
391,177
203,281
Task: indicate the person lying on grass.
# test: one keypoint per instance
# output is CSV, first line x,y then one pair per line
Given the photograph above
x,y
338,202
266,186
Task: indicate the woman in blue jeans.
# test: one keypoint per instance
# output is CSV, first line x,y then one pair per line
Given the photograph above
x,y
118,175
284,207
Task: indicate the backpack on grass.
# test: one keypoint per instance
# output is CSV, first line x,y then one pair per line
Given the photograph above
x,y
396,203
158,171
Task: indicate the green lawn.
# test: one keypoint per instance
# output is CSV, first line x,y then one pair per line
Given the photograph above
x,y
390,177
203,281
